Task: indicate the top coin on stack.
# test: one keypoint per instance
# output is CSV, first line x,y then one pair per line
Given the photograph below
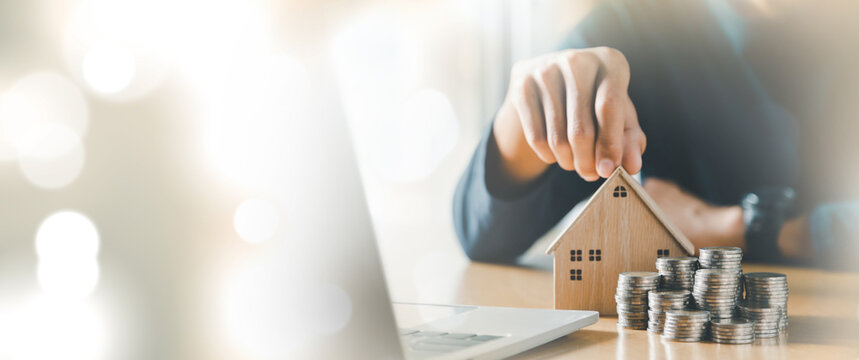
x,y
678,273
661,301
715,290
768,290
631,298
721,257
686,325
733,331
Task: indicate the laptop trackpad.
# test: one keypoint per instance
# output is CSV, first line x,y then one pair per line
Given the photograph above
x,y
412,315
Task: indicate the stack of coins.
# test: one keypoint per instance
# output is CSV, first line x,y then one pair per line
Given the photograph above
x,y
725,258
768,289
715,290
631,298
678,273
686,325
733,331
661,301
767,319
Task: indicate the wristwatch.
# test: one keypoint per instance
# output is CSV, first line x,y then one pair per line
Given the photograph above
x,y
764,213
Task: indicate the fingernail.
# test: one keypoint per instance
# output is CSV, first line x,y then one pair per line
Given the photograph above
x,y
590,179
605,168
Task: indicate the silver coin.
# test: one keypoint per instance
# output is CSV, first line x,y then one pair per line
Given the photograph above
x,y
735,342
728,259
673,338
750,335
733,337
766,275
665,294
645,275
733,325
686,328
688,313
733,332
721,249
767,287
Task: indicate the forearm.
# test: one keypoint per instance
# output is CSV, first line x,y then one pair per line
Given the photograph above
x,y
498,226
492,214
708,225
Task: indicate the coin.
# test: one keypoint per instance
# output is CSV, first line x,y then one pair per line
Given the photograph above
x,y
715,290
686,325
631,297
768,290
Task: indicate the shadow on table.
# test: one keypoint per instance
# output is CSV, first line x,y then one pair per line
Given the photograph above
x,y
574,342
536,261
823,330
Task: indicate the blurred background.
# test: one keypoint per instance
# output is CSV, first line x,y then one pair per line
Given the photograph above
x,y
124,123
148,154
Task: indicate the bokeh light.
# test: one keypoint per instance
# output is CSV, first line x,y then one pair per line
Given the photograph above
x,y
67,245
50,156
67,235
43,329
424,133
68,279
121,49
256,220
389,55
108,68
402,130
39,101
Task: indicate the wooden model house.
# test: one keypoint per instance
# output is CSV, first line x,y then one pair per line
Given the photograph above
x,y
620,229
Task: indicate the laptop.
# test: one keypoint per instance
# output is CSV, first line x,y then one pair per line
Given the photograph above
x,y
378,328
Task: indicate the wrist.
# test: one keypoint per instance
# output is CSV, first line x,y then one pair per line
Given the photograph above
x,y
765,213
517,162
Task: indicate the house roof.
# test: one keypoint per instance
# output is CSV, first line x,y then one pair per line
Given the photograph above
x,y
651,205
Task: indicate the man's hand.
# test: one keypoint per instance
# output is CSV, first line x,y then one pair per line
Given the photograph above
x,y
569,107
702,223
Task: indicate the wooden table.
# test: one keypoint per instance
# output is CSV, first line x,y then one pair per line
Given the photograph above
x,y
823,309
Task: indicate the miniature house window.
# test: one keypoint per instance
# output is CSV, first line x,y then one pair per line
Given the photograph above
x,y
619,191
575,274
662,252
576,255
595,255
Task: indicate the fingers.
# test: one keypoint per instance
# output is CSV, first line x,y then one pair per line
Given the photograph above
x,y
632,151
530,112
550,82
580,71
575,110
634,143
611,102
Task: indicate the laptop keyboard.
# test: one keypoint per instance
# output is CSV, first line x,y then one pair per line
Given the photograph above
x,y
436,341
